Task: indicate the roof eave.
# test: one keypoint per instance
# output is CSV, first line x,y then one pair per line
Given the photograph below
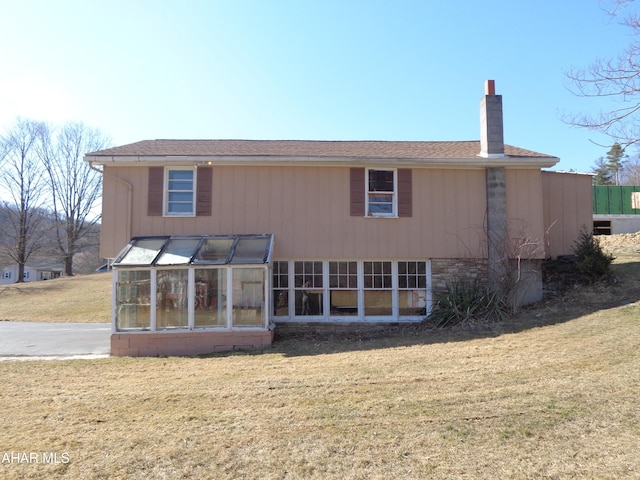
x,y
280,160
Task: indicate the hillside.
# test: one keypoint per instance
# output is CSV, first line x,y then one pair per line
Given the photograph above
x,y
83,298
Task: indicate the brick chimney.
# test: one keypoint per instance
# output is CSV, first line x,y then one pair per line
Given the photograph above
x,y
491,128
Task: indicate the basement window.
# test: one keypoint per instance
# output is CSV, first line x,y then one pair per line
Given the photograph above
x,y
602,227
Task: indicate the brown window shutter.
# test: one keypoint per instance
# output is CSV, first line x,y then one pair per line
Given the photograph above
x,y
204,191
155,190
404,193
357,192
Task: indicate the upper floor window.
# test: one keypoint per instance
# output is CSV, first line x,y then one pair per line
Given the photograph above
x,y
381,193
180,191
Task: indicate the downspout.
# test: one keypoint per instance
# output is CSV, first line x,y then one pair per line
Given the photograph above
x,y
129,196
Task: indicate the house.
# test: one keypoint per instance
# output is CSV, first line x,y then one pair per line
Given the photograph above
x,y
33,272
216,242
616,209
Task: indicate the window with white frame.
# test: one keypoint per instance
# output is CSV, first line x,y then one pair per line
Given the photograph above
x,y
281,289
378,289
309,292
180,191
343,288
351,289
412,288
381,195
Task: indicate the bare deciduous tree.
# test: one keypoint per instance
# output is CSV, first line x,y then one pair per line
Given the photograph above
x,y
616,79
631,172
75,187
23,182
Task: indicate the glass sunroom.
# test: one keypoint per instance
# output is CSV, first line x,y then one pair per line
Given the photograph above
x,y
209,282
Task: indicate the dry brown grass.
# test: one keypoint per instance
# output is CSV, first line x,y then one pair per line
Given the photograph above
x,y
553,395
84,298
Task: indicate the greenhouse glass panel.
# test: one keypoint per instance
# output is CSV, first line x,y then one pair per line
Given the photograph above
x,y
178,251
248,297
251,250
142,252
214,251
172,299
133,300
210,302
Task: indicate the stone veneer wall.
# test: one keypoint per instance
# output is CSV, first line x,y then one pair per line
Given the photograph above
x,y
153,344
445,271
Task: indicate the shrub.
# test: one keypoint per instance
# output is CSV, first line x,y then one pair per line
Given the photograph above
x,y
467,301
592,262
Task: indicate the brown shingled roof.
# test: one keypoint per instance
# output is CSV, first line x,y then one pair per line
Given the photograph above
x,y
309,148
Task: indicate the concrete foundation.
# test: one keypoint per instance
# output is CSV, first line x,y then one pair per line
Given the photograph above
x,y
154,344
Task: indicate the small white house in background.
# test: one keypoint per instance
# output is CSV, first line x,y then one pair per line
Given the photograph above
x,y
33,272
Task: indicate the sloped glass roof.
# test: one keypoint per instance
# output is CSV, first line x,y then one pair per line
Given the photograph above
x,y
142,251
196,250
215,250
178,251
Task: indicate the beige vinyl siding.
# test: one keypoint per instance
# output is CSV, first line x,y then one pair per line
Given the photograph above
x,y
525,221
567,208
308,210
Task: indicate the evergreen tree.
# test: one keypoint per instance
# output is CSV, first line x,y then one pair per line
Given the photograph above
x,y
615,161
602,173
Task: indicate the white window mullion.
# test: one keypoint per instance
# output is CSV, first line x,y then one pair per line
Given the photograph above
x,y
229,298
114,299
268,294
191,295
360,290
325,288
291,295
395,309
154,299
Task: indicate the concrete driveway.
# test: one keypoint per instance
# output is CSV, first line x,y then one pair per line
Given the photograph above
x,y
21,340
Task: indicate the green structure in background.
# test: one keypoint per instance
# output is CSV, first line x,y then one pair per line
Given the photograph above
x,y
616,200
616,209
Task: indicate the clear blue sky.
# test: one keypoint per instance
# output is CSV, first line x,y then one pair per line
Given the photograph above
x,y
303,69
